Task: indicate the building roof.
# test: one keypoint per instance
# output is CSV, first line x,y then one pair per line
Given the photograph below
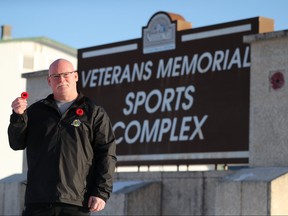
x,y
35,74
45,41
21,177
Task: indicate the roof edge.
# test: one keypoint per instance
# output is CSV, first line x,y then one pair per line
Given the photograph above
x,y
45,41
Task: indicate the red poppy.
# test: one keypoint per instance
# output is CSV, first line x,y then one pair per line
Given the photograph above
x,y
24,95
79,112
277,80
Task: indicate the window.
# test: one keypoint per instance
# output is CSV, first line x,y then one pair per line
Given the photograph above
x,y
28,62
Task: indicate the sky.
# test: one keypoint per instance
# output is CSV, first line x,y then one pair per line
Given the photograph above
x,y
88,23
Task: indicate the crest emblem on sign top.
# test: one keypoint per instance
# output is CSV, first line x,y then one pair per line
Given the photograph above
x,y
159,35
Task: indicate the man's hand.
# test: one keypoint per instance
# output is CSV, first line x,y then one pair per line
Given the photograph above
x,y
19,105
96,204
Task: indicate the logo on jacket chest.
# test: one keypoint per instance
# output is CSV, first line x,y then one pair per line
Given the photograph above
x,y
76,123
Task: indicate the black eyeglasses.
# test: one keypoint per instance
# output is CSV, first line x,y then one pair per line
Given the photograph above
x,y
65,75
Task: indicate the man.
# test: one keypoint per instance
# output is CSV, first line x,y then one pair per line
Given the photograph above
x,y
70,148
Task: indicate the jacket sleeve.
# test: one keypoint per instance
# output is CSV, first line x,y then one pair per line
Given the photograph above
x,y
104,156
17,131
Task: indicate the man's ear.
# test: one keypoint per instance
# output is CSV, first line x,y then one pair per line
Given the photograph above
x,y
76,76
48,80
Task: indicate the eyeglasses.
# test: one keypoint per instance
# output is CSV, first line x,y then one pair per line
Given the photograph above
x,y
65,75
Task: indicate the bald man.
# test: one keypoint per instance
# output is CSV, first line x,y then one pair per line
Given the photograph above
x,y
70,147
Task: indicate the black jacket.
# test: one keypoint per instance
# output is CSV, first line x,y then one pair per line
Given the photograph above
x,y
71,156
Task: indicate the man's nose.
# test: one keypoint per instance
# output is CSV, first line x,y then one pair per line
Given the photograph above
x,y
61,78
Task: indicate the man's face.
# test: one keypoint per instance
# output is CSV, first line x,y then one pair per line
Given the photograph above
x,y
62,79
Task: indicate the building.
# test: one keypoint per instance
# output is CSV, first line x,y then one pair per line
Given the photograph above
x,y
18,56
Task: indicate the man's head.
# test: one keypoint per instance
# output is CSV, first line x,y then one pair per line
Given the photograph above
x,y
63,80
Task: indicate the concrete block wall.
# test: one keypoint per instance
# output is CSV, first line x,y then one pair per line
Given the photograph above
x,y
253,191
154,193
183,193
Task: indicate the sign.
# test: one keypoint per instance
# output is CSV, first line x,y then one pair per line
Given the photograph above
x,y
175,97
